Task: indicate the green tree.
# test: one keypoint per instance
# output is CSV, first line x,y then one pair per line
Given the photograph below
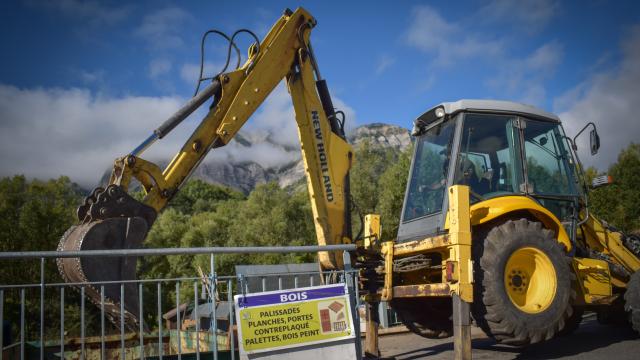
x,y
270,216
33,216
619,202
370,163
392,185
198,196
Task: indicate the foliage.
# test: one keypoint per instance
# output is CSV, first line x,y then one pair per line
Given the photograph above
x,y
378,181
268,217
619,203
370,163
544,179
33,216
198,196
392,185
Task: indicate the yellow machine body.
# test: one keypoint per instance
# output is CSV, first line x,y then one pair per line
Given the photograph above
x,y
594,278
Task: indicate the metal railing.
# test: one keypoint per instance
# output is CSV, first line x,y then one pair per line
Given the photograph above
x,y
96,338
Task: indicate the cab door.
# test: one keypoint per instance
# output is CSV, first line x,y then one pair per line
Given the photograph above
x,y
549,176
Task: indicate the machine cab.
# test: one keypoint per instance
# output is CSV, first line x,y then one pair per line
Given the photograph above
x,y
497,148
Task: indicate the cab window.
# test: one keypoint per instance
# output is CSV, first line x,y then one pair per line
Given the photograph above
x,y
429,173
548,171
488,161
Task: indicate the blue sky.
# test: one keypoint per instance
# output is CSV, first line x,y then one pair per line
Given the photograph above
x,y
84,81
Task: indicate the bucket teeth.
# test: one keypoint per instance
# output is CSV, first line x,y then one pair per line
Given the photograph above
x,y
88,201
105,273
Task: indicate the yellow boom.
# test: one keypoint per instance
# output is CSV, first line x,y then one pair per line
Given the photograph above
x,y
110,218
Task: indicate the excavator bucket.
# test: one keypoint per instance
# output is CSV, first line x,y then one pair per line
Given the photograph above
x,y
110,219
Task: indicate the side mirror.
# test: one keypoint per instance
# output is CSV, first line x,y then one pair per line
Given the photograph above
x,y
594,141
600,181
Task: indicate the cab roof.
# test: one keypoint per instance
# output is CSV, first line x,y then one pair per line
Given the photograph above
x,y
499,106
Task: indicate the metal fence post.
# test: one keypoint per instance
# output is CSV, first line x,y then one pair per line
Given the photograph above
x,y
122,351
1,322
356,281
230,302
22,323
141,321
41,309
213,281
195,315
160,320
353,293
102,350
178,321
62,321
82,322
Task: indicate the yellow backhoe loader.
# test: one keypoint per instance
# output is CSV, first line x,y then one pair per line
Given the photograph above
x,y
495,212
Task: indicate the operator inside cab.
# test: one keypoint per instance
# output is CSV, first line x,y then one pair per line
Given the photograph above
x,y
465,174
427,195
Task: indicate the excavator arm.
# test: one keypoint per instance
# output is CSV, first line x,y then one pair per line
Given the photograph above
x,y
110,218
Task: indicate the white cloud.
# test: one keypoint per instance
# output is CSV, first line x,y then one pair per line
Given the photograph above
x,y
609,99
486,36
523,78
527,15
51,132
94,12
447,41
268,155
384,61
162,28
89,77
159,67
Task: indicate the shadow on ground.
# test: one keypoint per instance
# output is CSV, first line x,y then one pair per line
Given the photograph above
x,y
589,337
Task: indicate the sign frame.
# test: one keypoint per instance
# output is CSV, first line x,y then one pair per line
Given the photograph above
x,y
267,299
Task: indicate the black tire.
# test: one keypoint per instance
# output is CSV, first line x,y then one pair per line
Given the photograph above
x,y
428,317
632,300
492,308
613,314
573,322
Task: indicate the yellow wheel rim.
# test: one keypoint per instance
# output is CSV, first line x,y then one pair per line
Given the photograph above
x,y
530,280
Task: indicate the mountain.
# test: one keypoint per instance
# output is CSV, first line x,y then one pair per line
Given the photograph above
x,y
257,158
383,135
236,169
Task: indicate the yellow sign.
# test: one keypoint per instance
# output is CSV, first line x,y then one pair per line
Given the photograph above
x,y
284,319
